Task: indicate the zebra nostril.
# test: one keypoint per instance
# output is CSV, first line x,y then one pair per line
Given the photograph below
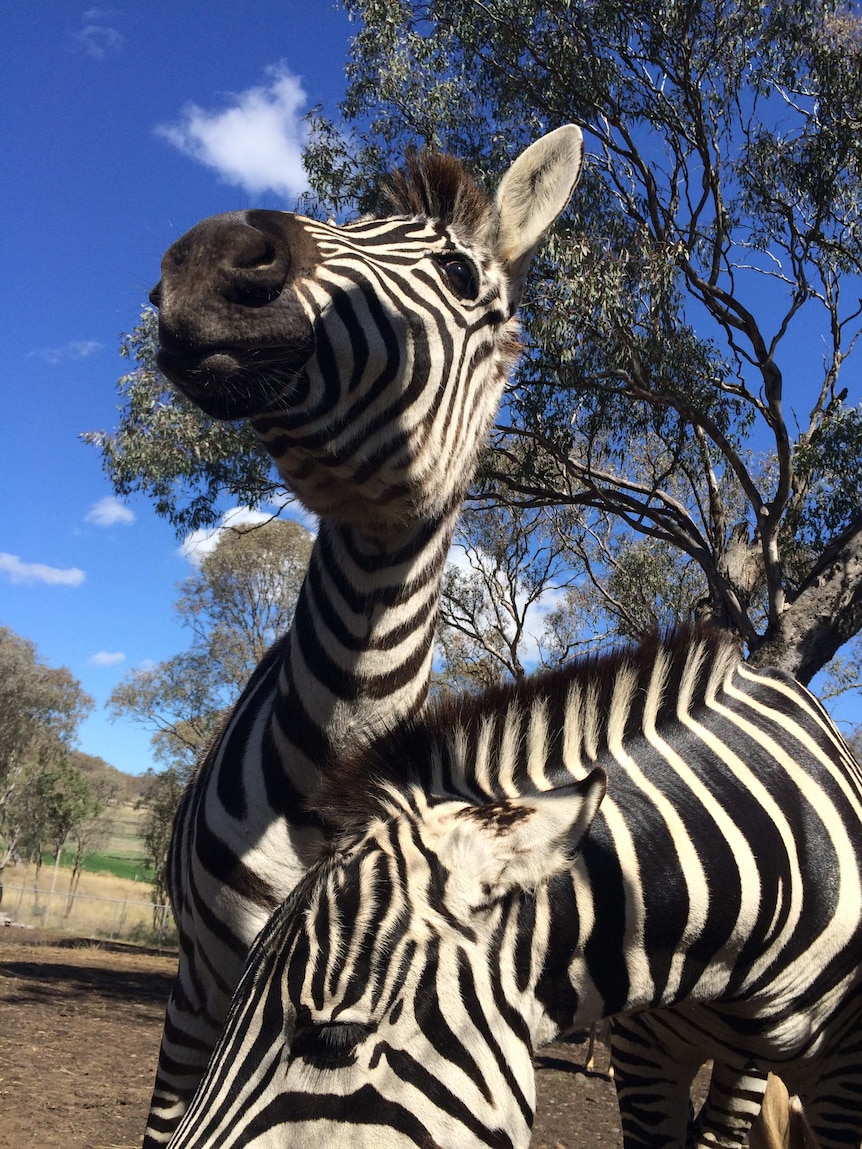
x,y
262,257
254,291
256,271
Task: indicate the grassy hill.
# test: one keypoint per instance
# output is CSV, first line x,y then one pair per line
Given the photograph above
x,y
126,787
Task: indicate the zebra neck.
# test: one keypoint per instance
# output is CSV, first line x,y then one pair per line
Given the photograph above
x,y
358,656
630,929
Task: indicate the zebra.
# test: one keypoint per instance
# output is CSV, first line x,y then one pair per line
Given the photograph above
x,y
369,359
665,833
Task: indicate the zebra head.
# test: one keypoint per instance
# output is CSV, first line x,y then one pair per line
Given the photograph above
x,y
375,1010
369,357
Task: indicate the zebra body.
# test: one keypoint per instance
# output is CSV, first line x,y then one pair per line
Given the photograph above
x,y
370,360
494,896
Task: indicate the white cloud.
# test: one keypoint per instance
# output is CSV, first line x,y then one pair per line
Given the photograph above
x,y
97,40
536,613
74,350
20,572
106,658
255,142
196,546
108,512
288,506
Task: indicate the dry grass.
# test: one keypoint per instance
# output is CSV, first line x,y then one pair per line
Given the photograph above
x,y
105,905
96,885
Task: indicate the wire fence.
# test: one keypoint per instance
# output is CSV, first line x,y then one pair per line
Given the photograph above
x,y
121,919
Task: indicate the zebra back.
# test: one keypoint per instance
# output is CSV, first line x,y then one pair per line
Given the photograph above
x,y
492,896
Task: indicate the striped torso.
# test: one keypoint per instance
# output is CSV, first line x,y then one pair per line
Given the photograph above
x,y
716,894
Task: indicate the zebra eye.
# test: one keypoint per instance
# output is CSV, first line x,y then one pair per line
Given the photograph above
x,y
329,1045
460,274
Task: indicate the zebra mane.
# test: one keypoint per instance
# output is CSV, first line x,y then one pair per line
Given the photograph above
x,y
562,720
439,187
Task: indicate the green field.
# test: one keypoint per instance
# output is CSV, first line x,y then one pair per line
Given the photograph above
x,y
122,855
101,863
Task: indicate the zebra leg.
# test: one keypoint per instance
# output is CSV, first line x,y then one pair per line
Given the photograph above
x,y
652,1087
733,1103
599,1031
832,1119
590,1059
188,1038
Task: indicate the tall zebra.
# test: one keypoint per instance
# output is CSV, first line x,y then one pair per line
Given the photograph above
x,y
488,894
369,359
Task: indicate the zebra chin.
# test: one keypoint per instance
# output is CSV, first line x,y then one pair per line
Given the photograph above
x,y
229,384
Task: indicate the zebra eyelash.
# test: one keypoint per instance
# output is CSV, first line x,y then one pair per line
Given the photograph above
x,y
330,1044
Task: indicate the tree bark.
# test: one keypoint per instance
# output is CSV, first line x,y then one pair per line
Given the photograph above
x,y
822,615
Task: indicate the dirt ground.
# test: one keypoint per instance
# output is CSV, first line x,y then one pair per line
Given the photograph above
x,y
79,1037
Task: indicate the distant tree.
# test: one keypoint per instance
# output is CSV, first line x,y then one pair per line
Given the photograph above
x,y
22,817
36,702
92,827
40,710
66,802
54,802
243,595
235,605
180,701
159,803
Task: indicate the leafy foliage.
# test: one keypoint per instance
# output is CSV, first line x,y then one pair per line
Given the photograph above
x,y
36,701
40,710
722,203
160,802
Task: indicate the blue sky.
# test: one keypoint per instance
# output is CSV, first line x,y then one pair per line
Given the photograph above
x,y
122,127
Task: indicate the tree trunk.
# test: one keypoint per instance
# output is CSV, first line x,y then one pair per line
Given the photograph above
x,y
825,612
56,869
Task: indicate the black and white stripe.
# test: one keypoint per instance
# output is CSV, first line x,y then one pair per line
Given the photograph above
x,y
370,360
710,900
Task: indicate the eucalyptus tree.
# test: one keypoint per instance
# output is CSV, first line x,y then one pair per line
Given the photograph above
x,y
688,336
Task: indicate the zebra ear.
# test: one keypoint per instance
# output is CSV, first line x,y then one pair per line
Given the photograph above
x,y
531,195
519,843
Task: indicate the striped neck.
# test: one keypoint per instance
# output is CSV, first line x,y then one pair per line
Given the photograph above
x,y
358,656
